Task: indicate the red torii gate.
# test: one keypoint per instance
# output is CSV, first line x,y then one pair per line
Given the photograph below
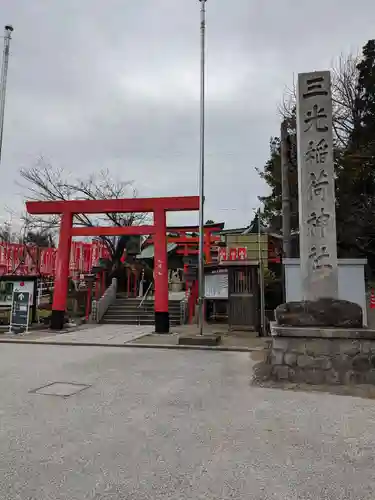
x,y
67,210
209,239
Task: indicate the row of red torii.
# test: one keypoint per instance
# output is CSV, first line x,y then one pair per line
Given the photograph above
x,y
31,260
67,209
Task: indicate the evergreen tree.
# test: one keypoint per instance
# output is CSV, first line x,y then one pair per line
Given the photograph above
x,y
355,183
354,166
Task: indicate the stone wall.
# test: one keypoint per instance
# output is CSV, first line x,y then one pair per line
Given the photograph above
x,y
322,360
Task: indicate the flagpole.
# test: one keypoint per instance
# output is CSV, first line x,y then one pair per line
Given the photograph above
x,y
201,171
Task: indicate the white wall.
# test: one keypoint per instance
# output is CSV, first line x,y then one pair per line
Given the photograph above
x,y
351,275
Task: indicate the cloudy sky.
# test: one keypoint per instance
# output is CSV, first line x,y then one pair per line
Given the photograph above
x,y
115,84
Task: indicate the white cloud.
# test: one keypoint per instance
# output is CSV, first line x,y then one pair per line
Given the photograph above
x,y
115,84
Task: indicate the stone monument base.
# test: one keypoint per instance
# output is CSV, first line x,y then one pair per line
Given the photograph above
x,y
322,312
322,355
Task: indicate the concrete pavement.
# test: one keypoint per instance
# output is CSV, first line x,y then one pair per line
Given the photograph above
x,y
90,334
130,335
156,424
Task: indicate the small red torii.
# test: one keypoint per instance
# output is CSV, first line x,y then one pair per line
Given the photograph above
x,y
67,210
185,242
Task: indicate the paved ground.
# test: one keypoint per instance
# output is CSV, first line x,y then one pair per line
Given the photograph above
x,y
158,424
88,334
227,341
118,335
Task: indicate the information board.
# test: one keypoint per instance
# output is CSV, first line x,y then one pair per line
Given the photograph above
x,y
19,320
216,286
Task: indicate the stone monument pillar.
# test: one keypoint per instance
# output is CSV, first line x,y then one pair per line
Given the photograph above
x,y
319,339
316,187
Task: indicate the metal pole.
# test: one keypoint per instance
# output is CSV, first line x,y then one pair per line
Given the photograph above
x,y
3,82
201,175
261,280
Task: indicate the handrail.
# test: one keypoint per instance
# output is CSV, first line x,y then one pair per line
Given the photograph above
x,y
104,302
145,295
184,309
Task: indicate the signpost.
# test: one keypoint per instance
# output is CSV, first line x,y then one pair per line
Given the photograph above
x,y
19,319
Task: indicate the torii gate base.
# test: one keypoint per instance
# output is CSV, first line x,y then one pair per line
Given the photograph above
x,y
67,210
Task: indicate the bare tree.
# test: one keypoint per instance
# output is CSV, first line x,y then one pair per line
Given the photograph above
x,y
344,97
287,108
44,182
6,235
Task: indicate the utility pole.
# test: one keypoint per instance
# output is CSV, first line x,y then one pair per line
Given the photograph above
x,y
285,189
3,82
201,174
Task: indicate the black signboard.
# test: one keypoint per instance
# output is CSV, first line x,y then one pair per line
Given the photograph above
x,y
20,311
97,269
133,245
86,281
190,260
89,278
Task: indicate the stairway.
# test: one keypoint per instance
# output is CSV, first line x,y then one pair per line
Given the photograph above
x,y
126,311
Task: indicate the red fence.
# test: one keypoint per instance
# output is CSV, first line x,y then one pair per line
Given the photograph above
x,y
31,260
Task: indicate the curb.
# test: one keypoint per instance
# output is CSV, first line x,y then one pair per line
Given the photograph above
x,y
130,344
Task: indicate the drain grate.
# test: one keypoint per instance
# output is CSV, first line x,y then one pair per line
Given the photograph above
x,y
62,389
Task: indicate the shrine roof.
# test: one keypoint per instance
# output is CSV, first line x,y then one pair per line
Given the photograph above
x,y
149,252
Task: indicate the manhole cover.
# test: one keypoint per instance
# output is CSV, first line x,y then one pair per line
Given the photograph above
x,y
62,389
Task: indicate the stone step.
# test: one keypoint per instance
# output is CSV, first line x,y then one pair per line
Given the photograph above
x,y
150,321
128,322
126,303
123,297
148,299
147,302
131,306
140,309
139,318
146,309
134,315
128,311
